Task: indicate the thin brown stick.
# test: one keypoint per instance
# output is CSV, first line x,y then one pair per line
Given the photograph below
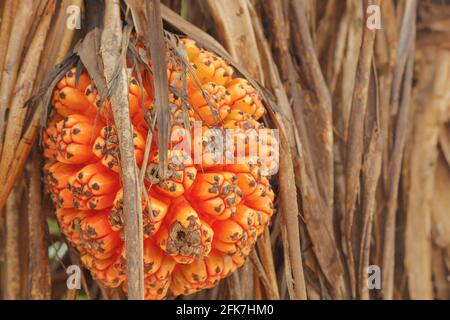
x,y
355,143
386,78
21,155
9,11
349,65
257,288
156,44
234,286
371,173
17,39
290,211
259,268
111,45
12,263
319,133
287,281
246,275
274,12
396,159
444,143
266,255
40,283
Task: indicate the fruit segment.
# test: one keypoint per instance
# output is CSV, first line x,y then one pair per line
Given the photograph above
x,y
106,147
154,210
74,138
202,273
49,138
69,98
211,68
56,176
211,103
216,194
184,235
94,187
180,176
245,98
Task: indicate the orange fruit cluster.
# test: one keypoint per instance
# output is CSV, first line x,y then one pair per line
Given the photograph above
x,y
201,221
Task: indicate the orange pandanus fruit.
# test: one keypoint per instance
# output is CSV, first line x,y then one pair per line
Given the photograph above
x,y
202,219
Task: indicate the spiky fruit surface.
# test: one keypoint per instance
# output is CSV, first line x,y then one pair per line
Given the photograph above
x,y
202,220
